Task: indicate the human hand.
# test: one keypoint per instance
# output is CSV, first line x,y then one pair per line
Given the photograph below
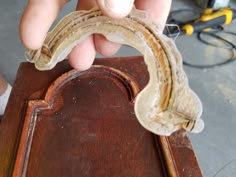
x,y
39,15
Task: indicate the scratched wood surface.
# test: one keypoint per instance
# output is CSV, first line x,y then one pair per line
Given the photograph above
x,y
67,123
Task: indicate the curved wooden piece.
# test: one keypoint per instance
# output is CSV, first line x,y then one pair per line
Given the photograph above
x,y
167,103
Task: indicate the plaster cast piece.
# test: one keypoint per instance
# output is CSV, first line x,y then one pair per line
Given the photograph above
x,y
167,103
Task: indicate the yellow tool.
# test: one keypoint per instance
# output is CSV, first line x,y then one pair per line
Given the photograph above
x,y
210,19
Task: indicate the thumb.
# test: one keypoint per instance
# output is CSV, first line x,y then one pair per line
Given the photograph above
x,y
116,8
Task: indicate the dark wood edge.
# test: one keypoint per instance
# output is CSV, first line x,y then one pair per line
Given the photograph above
x,y
169,159
167,143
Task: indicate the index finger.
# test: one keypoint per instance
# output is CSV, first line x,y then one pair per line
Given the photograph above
x,y
157,10
36,20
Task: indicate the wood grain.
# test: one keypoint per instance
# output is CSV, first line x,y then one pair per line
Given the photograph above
x,y
72,123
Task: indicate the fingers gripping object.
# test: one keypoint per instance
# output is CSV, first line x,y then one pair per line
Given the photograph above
x,y
166,104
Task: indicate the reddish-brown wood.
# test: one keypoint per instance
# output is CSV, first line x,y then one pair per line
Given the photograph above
x,y
64,122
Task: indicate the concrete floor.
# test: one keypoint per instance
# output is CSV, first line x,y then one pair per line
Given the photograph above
x,y
215,146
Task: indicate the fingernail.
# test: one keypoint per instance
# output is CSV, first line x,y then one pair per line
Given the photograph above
x,y
118,7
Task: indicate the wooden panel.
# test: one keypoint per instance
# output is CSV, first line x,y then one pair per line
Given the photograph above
x,y
83,124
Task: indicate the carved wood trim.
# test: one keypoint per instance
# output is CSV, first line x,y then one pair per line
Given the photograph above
x,y
175,152
34,106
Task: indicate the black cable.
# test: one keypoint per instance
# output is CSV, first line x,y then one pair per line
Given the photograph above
x,y
200,38
227,61
192,15
213,33
175,17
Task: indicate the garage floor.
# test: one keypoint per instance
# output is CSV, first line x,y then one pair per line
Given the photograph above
x,y
215,146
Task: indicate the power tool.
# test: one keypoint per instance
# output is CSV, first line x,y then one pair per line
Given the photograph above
x,y
209,19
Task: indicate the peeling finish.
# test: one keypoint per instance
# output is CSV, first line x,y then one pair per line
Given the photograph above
x,y
166,104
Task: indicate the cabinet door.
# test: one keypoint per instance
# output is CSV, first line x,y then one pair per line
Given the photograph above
x,y
67,123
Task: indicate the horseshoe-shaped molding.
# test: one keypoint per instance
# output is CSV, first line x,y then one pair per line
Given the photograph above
x,y
167,103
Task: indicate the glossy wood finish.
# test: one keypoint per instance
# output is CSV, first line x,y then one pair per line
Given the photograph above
x,y
64,122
